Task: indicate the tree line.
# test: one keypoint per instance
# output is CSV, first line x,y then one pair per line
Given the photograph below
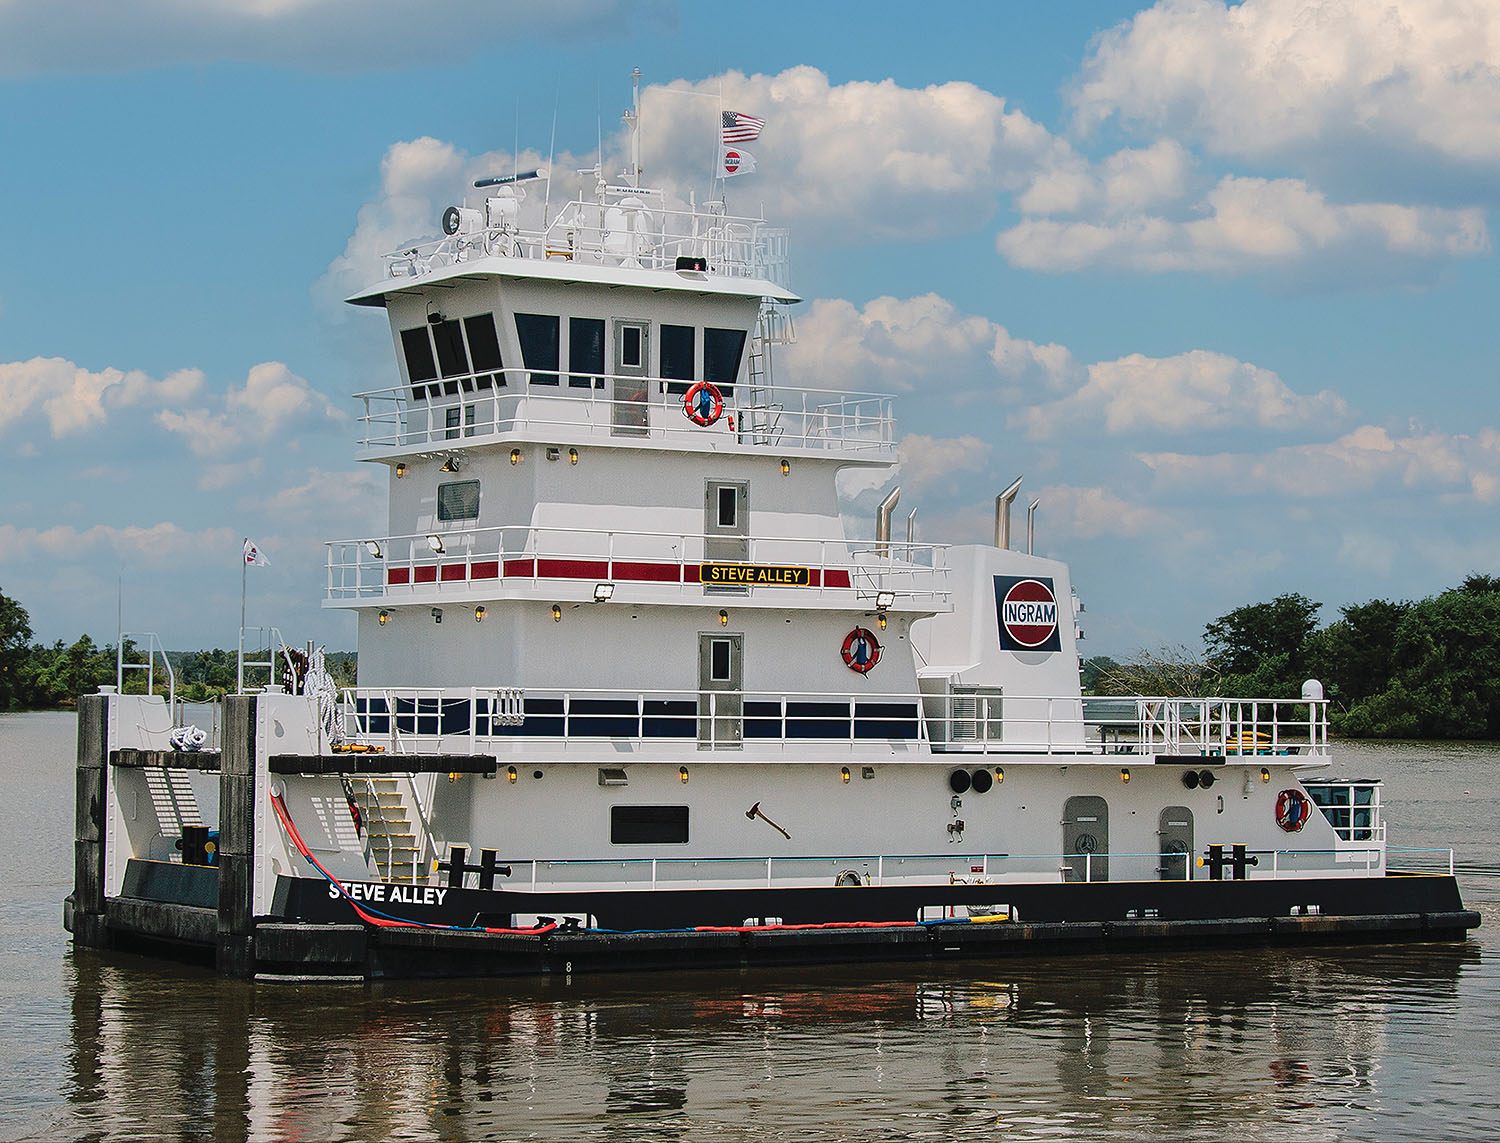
x,y
36,676
1428,668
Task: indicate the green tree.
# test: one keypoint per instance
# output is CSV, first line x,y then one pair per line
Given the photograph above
x,y
1354,656
15,636
1261,648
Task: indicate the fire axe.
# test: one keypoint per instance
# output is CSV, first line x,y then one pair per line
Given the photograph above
x,y
754,812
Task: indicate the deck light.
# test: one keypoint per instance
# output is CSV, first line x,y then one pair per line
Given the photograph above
x,y
510,774
400,470
844,774
723,619
556,613
437,614
1124,773
451,464
385,617
1265,775
786,467
884,599
999,774
603,592
436,544
572,456
880,620
515,456
373,547
479,614
682,774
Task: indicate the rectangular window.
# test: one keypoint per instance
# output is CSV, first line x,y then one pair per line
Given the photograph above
x,y
630,346
718,660
451,421
678,343
728,502
648,825
458,501
420,366
586,353
453,359
484,349
539,342
722,349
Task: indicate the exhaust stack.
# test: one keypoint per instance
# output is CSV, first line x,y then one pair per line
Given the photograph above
x,y
1031,527
1002,514
883,522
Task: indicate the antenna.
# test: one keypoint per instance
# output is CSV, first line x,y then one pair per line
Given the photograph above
x,y
551,154
635,127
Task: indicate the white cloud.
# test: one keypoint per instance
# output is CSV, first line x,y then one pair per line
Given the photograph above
x,y
1192,391
904,344
1247,225
929,463
1089,513
158,545
266,406
1265,78
75,399
317,35
1366,459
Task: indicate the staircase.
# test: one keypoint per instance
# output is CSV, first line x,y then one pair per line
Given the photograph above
x,y
390,831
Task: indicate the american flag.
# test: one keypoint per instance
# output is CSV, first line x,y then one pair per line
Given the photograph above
x,y
740,128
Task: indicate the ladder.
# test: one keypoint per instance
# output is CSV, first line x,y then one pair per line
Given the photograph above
x,y
390,832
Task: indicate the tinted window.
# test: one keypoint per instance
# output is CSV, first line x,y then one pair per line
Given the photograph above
x,y
484,349
538,334
420,366
727,498
630,346
677,343
586,352
459,500
648,825
453,361
722,349
718,667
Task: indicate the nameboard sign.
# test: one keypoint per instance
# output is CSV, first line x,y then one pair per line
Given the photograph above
x,y
753,575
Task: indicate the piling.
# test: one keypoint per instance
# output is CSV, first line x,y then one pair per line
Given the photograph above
x,y
84,912
234,950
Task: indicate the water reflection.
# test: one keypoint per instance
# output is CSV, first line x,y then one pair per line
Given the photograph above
x,y
1202,1045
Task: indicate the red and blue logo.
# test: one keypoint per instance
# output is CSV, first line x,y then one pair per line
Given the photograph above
x,y
1026,607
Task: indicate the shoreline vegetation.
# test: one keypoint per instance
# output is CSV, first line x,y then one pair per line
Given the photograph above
x,y
35,676
1424,669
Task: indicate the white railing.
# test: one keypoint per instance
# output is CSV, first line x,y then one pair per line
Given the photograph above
x,y
637,229
681,723
953,868
517,402
393,567
1230,726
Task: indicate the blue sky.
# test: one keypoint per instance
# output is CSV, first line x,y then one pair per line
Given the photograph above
x,y
1218,280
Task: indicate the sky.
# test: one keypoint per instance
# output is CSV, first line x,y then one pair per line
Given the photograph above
x,y
1217,280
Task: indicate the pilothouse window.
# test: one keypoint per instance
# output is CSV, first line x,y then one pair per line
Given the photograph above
x,y
484,350
586,352
678,345
539,341
722,349
416,346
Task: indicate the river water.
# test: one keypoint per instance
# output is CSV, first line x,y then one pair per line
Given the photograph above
x,y
1380,1042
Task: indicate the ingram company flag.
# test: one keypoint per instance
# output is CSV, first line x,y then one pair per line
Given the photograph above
x,y
253,555
733,162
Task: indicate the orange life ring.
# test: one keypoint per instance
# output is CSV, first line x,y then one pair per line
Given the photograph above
x,y
861,650
1292,810
703,403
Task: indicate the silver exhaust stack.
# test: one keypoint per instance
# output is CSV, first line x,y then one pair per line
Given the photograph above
x,y
883,522
1002,514
1031,527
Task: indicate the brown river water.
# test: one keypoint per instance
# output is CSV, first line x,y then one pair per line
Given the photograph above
x,y
1383,1042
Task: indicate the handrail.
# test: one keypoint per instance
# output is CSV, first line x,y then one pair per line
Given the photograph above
x,y
533,553
472,408
153,649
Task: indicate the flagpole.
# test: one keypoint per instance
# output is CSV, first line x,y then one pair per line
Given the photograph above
x,y
239,659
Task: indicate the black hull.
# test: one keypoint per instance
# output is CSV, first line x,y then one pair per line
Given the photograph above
x,y
312,934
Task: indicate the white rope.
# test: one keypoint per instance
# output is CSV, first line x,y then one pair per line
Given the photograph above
x,y
319,685
187,738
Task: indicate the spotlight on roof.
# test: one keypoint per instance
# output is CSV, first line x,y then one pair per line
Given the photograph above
x,y
436,544
373,547
884,599
450,465
603,592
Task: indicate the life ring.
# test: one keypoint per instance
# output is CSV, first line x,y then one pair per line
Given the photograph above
x,y
1292,810
703,403
861,650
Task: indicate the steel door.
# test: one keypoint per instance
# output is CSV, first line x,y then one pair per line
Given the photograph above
x,y
1086,839
631,393
726,522
1175,832
721,704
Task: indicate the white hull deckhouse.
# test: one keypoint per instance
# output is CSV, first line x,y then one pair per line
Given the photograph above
x,y
631,694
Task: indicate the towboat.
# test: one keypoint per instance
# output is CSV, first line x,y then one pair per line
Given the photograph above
x,y
633,694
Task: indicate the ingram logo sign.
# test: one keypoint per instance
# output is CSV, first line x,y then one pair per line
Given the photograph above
x,y
1027,609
